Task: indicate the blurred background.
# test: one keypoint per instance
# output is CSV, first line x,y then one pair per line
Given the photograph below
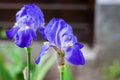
x,y
94,22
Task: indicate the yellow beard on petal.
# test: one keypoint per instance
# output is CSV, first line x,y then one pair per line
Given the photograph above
x,y
69,44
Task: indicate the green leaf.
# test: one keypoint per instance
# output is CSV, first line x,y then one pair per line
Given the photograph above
x,y
4,74
112,72
67,72
42,68
2,33
14,55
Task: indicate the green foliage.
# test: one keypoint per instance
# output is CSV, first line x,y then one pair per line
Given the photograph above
x,y
14,63
112,72
2,33
67,73
4,75
42,68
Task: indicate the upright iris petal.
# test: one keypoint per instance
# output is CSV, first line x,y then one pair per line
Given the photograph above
x,y
60,36
28,19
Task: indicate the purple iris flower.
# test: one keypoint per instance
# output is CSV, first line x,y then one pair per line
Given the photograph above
x,y
29,19
60,36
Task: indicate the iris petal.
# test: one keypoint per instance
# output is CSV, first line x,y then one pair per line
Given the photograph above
x,y
41,31
79,45
74,55
55,30
50,30
23,38
30,15
43,51
37,60
34,35
57,35
21,13
61,30
10,33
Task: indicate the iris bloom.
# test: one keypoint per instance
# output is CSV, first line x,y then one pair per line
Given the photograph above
x,y
60,36
29,19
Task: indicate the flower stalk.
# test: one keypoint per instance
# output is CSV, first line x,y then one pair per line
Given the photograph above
x,y
61,64
28,62
61,70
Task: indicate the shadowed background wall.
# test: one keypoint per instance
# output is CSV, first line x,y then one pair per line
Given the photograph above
x,y
78,13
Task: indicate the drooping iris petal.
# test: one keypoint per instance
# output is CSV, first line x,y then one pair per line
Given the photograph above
x,y
79,45
37,60
41,31
23,38
33,33
10,33
43,51
74,55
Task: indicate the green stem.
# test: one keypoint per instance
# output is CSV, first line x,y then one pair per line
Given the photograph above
x,y
28,63
61,70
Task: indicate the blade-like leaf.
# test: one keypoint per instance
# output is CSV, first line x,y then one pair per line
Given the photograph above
x,y
67,73
44,66
15,63
4,74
